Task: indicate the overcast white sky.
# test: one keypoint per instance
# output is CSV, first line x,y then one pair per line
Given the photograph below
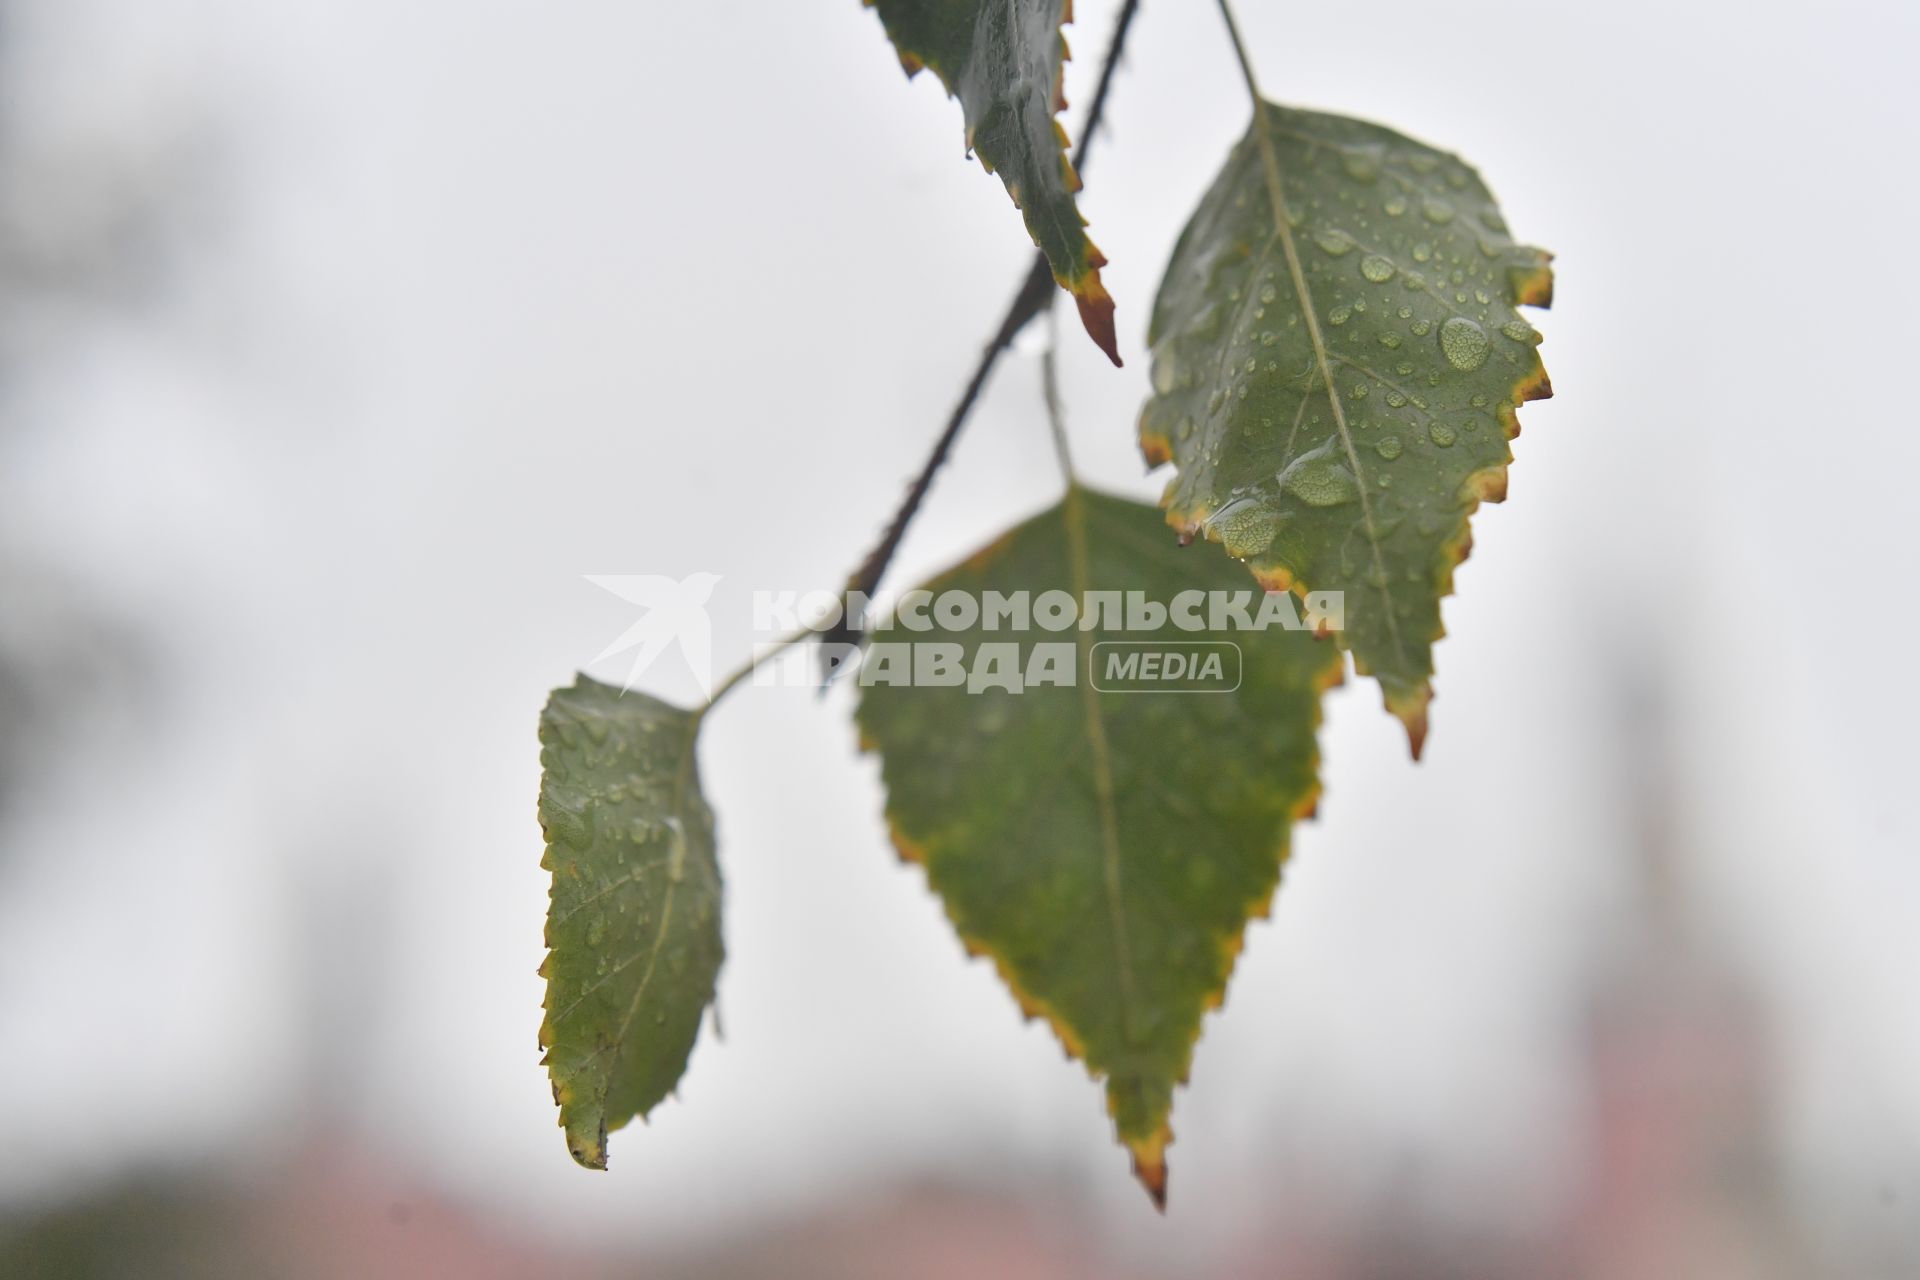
x,y
475,298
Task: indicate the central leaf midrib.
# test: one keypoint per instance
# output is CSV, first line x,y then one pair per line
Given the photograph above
x,y
681,778
1074,509
1276,196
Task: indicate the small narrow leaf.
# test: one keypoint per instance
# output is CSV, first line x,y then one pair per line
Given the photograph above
x,y
1002,59
1106,849
1337,387
634,923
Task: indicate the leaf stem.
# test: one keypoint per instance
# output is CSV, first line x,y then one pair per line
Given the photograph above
x,y
1050,392
733,678
1240,52
1035,291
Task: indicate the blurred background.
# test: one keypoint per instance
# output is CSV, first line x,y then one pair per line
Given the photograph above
x,y
339,340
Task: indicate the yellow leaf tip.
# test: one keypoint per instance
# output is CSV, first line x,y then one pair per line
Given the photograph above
x,y
1411,710
1273,578
1489,484
1150,1164
1096,307
1537,385
1533,285
1155,448
588,1149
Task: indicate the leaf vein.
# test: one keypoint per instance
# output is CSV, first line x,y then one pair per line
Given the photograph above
x,y
1276,195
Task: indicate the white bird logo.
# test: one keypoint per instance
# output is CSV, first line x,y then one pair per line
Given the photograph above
x,y
676,611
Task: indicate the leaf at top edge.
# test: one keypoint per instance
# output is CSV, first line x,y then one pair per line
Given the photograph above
x,y
1003,61
1339,439
633,927
1106,849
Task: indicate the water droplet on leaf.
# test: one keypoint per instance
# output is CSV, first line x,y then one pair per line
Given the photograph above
x,y
1362,165
1245,526
1335,241
1318,480
1164,376
1465,343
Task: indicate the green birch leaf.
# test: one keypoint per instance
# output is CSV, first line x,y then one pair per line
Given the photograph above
x,y
633,928
1105,849
1002,59
1337,388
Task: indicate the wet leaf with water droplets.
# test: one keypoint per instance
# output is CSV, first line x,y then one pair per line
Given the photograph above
x,y
1390,391
633,928
1106,849
1002,60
